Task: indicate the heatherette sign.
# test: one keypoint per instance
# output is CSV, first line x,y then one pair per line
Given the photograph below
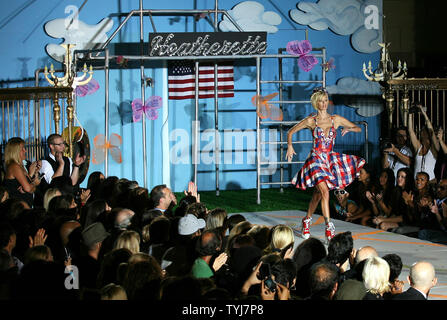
x,y
207,44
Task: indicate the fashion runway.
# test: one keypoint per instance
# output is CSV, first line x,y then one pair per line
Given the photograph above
x,y
409,249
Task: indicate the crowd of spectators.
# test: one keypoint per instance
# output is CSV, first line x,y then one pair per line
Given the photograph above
x,y
115,240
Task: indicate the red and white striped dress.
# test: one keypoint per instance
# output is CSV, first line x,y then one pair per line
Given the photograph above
x,y
337,169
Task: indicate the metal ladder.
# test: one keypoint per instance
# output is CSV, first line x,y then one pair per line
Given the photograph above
x,y
281,124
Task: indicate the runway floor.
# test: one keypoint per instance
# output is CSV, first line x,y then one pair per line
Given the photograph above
x,y
409,249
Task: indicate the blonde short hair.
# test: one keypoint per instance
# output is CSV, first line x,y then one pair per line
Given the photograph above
x,y
376,274
12,151
216,218
282,236
317,96
113,292
50,194
129,240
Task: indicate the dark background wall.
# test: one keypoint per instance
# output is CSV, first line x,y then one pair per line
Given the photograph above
x,y
417,32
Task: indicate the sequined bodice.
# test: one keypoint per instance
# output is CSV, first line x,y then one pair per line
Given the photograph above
x,y
323,143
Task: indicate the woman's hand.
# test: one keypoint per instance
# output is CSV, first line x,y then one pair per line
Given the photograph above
x,y
371,196
408,197
345,131
283,292
192,191
252,279
378,220
85,195
266,294
35,167
39,238
290,153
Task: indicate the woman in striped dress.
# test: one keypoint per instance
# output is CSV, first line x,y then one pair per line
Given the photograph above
x,y
324,169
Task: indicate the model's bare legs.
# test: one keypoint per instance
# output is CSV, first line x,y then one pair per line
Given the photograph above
x,y
324,196
316,197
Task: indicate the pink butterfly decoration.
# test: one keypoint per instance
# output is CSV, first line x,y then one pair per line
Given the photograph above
x,y
328,65
102,146
90,88
306,60
150,108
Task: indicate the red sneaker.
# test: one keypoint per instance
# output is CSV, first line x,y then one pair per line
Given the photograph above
x,y
305,231
330,231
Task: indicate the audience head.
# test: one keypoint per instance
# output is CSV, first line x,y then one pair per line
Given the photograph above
x,y
404,179
209,243
128,239
142,280
198,209
93,236
40,252
162,197
340,248
66,229
190,225
261,235
113,292
123,218
15,151
49,195
387,179
324,277
234,219
282,237
365,253
395,263
216,218
422,276
376,275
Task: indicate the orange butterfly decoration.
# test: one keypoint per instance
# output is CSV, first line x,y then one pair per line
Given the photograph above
x,y
102,146
266,110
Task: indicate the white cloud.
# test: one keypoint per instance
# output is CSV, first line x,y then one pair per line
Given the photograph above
x,y
251,16
83,35
344,17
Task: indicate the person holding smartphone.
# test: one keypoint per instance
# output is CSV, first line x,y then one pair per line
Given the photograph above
x,y
20,182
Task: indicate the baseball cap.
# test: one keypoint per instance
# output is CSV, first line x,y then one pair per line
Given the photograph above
x,y
189,224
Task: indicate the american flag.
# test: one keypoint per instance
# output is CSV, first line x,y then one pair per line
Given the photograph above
x,y
181,80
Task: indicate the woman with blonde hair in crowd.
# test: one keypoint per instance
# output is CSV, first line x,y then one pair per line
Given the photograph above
x,y
216,218
130,240
376,275
20,182
50,194
281,238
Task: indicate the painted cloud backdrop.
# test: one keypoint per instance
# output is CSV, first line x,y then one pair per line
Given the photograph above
x,y
344,17
368,105
83,35
251,16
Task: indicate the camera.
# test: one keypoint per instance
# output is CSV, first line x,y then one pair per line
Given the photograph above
x,y
385,143
414,108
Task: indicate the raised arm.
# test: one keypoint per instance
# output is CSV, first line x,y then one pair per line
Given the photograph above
x,y
347,125
305,123
441,141
434,141
413,138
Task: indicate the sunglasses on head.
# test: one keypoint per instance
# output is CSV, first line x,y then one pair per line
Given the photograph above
x,y
341,192
320,89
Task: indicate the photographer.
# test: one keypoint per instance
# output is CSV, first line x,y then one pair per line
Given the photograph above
x,y
398,155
